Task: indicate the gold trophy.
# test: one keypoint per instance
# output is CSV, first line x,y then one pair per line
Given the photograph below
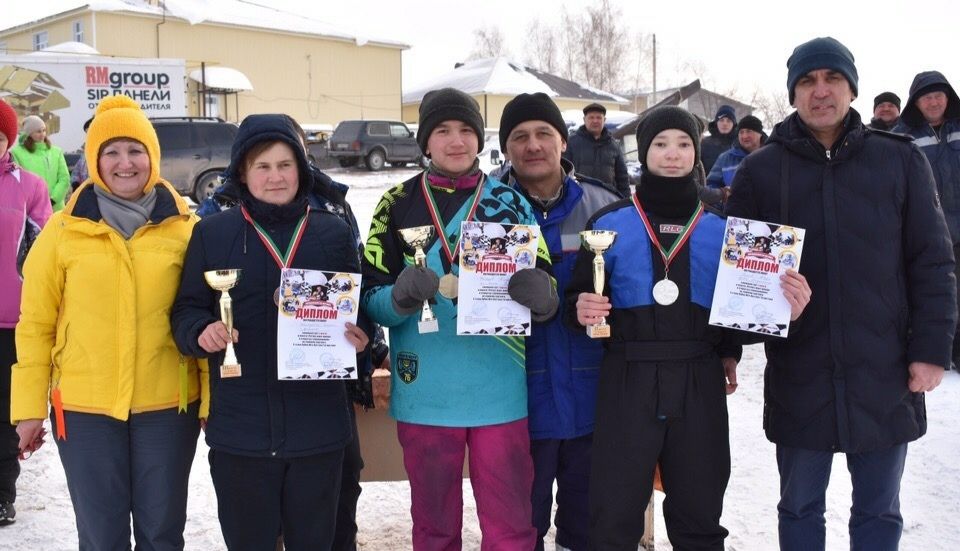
x,y
417,238
598,241
223,281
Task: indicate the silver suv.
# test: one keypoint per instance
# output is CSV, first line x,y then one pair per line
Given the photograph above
x,y
193,152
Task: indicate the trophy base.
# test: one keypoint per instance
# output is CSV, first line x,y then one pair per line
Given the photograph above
x,y
428,326
598,331
228,371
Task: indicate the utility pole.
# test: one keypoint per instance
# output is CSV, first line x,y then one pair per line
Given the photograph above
x,y
654,102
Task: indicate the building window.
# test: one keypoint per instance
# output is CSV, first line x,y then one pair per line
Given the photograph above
x,y
78,31
40,40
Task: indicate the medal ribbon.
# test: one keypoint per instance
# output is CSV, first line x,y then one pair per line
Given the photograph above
x,y
438,222
669,254
285,259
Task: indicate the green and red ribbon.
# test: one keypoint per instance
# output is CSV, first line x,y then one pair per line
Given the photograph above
x,y
669,254
285,259
438,223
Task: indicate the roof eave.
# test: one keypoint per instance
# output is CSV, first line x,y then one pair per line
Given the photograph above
x,y
63,15
48,19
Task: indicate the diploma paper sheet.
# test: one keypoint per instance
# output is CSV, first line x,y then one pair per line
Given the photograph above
x,y
748,294
314,308
489,254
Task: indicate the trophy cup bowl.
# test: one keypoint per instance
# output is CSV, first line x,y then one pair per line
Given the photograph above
x,y
223,281
598,241
417,238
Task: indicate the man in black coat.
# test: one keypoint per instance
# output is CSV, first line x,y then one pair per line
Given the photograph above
x,y
594,153
878,330
721,136
886,111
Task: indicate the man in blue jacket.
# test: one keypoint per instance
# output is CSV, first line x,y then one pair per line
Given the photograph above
x,y
750,137
932,119
562,366
878,330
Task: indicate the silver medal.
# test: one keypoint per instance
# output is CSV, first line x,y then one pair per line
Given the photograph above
x,y
665,292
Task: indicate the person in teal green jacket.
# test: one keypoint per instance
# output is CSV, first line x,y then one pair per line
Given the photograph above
x,y
36,154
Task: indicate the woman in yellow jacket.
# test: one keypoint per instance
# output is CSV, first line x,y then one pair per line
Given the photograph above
x,y
94,337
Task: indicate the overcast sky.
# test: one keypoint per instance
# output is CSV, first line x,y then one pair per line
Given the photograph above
x,y
742,44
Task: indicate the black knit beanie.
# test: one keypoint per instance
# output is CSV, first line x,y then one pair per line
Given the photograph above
x,y
886,97
820,53
448,104
750,123
663,118
530,107
726,111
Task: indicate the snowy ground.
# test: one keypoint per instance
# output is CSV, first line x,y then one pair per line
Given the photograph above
x,y
930,497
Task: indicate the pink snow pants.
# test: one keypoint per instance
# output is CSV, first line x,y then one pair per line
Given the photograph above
x,y
501,473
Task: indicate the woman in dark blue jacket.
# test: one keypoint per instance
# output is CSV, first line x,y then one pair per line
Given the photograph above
x,y
276,446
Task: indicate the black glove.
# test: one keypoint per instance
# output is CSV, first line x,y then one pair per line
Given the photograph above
x,y
534,289
414,285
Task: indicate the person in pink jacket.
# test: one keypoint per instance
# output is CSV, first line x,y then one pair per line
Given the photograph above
x,y
24,209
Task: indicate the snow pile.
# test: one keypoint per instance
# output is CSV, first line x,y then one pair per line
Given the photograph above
x,y
930,497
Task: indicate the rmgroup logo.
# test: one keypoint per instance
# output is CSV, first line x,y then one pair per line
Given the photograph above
x,y
142,86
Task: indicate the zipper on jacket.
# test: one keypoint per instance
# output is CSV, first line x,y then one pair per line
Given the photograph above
x,y
827,151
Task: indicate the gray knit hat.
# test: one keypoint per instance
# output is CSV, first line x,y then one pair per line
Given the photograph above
x,y
447,104
31,124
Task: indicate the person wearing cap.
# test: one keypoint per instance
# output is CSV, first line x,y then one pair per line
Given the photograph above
x,y
562,365
595,154
886,111
932,119
24,209
722,136
666,371
36,154
94,342
276,446
450,392
852,374
750,136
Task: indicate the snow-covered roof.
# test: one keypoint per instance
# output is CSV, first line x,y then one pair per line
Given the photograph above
x,y
66,48
232,12
222,78
500,76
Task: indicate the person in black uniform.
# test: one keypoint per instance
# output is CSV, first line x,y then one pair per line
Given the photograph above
x,y
661,395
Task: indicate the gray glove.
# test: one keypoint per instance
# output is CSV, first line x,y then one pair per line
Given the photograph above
x,y
534,289
413,286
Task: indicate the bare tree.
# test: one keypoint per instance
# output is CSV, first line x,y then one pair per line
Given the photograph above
x,y
593,46
607,41
640,55
542,47
488,42
771,107
571,36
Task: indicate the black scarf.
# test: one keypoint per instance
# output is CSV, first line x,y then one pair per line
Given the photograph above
x,y
267,214
670,197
